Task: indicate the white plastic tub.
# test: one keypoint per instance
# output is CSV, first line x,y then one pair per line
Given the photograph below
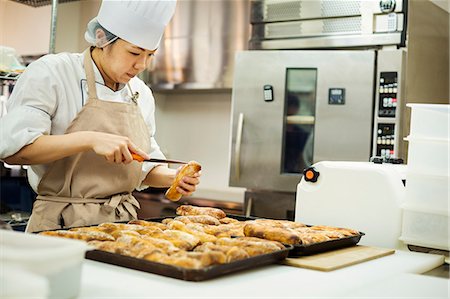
x,y
56,259
428,156
427,190
425,227
430,120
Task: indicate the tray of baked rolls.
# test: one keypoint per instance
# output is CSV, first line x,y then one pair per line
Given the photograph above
x,y
305,239
199,243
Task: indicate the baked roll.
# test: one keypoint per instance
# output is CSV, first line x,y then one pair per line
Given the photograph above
x,y
188,170
188,210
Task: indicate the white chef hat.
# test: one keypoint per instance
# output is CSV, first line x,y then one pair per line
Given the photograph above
x,y
140,22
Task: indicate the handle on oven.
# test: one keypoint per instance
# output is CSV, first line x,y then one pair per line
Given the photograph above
x,y
237,155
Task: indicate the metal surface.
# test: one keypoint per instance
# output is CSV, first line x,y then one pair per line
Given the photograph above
x,y
270,204
198,47
284,10
290,24
237,154
343,41
53,27
342,132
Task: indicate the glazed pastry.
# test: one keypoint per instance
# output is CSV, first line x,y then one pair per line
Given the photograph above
x,y
188,170
149,230
80,235
148,223
204,219
227,220
185,262
279,223
345,231
113,247
232,253
250,246
203,237
162,244
313,238
283,235
180,239
187,210
225,230
119,233
109,227
206,258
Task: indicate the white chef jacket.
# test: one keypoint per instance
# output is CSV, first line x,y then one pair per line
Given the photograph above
x,y
48,96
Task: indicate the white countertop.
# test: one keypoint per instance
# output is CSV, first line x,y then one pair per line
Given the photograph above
x,y
373,278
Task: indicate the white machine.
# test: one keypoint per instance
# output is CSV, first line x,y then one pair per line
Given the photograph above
x,y
361,195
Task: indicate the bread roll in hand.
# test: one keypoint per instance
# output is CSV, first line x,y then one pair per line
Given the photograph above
x,y
187,170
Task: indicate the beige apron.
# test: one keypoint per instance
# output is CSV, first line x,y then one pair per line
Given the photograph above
x,y
84,188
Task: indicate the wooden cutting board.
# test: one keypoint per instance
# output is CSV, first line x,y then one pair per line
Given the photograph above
x,y
340,258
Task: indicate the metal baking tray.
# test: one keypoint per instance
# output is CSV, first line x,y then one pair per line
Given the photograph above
x,y
301,250
184,273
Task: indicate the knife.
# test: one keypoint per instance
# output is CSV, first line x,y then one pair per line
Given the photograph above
x,y
141,159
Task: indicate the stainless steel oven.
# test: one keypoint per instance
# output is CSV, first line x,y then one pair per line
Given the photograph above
x,y
294,108
329,80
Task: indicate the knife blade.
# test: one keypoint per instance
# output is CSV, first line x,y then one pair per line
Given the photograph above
x,y
155,160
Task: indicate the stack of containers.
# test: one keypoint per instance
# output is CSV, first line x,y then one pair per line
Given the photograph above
x,y
426,207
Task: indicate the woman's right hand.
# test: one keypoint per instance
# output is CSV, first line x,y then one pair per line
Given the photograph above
x,y
115,148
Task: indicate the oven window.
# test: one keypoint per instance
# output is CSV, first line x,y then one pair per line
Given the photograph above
x,y
299,119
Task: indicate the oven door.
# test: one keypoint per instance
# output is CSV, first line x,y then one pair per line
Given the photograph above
x,y
291,109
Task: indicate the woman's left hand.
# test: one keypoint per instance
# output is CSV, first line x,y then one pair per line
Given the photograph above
x,y
188,184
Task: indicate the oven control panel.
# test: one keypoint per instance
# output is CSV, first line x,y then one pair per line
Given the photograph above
x,y
385,140
387,94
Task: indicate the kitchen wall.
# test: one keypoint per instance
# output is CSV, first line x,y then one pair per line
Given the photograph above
x,y
195,125
73,18
445,5
25,28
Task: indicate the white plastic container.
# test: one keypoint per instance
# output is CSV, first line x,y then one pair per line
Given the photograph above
x,y
428,156
430,121
36,285
58,260
427,191
361,195
425,227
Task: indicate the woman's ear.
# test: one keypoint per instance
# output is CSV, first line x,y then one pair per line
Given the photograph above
x,y
100,36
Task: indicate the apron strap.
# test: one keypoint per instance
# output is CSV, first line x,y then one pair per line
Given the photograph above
x,y
71,199
90,77
134,96
120,203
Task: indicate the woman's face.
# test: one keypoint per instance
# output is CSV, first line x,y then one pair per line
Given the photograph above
x,y
122,60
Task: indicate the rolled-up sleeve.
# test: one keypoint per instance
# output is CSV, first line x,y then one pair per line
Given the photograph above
x,y
29,109
147,106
